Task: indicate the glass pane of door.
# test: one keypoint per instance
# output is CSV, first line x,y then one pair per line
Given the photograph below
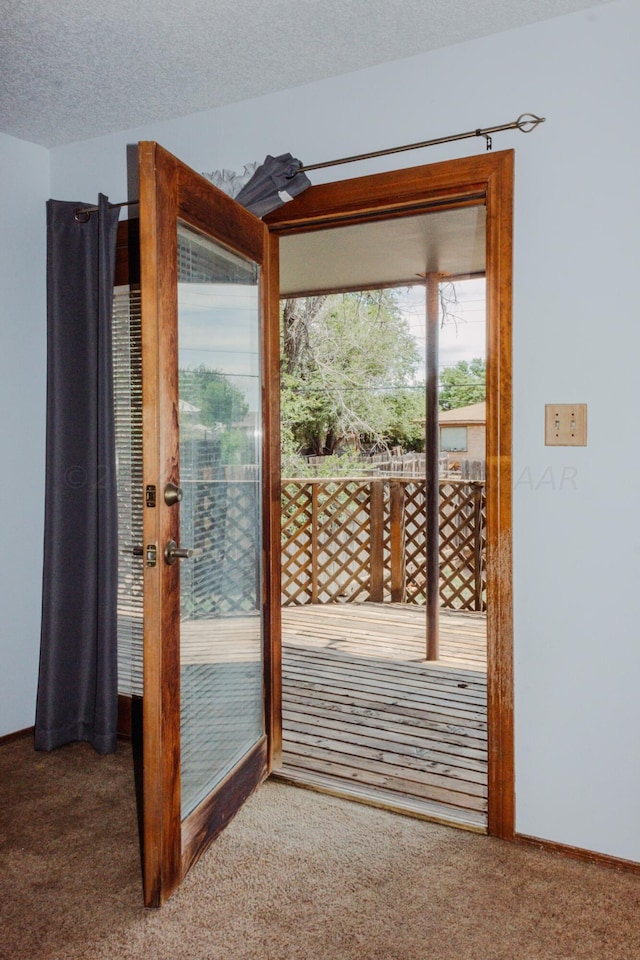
x,y
221,659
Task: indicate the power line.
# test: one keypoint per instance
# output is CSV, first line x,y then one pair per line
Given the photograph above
x,y
386,388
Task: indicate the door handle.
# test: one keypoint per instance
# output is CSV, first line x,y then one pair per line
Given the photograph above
x,y
172,494
173,552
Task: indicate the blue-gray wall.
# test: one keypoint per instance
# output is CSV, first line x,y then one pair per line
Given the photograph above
x,y
576,339
24,187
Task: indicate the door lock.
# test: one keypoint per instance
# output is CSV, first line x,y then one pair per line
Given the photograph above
x,y
173,552
172,494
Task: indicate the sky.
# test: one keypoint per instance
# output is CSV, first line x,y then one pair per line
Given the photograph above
x,y
463,335
219,328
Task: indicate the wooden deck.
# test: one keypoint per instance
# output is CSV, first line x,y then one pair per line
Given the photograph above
x,y
366,715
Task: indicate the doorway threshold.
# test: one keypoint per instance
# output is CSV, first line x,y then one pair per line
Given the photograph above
x,y
384,799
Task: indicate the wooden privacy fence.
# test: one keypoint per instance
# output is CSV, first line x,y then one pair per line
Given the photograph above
x,y
364,539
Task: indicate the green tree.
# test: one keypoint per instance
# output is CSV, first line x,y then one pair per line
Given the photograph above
x,y
347,365
463,384
209,399
215,399
407,410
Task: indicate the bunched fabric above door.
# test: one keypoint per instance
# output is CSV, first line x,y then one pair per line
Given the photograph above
x,y
77,687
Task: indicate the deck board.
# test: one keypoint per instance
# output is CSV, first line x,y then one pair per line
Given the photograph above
x,y
365,714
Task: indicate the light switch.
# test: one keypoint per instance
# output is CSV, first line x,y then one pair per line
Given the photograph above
x,y
565,424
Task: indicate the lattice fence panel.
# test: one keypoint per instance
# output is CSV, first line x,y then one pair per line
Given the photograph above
x,y
462,546
415,555
328,554
386,544
343,555
325,541
297,539
221,577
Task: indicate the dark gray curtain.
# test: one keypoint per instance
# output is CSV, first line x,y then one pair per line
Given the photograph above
x,y
276,181
77,687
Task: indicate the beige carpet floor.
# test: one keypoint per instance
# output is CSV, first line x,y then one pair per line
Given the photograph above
x,y
297,875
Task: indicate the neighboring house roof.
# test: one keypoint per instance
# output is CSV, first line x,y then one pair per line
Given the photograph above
x,y
185,407
474,413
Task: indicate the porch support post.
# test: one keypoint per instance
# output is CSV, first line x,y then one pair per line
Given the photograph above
x,y
376,541
432,472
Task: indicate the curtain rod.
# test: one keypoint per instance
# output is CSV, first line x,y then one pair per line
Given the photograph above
x,y
526,122
82,214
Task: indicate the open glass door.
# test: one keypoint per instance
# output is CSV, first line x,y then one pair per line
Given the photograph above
x,y
210,673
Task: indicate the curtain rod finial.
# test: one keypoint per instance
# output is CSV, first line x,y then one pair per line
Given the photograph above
x,y
527,122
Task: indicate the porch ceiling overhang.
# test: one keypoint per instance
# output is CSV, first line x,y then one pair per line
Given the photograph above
x,y
384,253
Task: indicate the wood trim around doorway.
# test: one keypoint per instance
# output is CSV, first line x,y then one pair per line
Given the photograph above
x,y
484,179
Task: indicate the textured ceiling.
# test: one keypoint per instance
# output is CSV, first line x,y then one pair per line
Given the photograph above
x,y
73,69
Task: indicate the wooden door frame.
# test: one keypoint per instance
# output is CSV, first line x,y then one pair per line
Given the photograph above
x,y
486,179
